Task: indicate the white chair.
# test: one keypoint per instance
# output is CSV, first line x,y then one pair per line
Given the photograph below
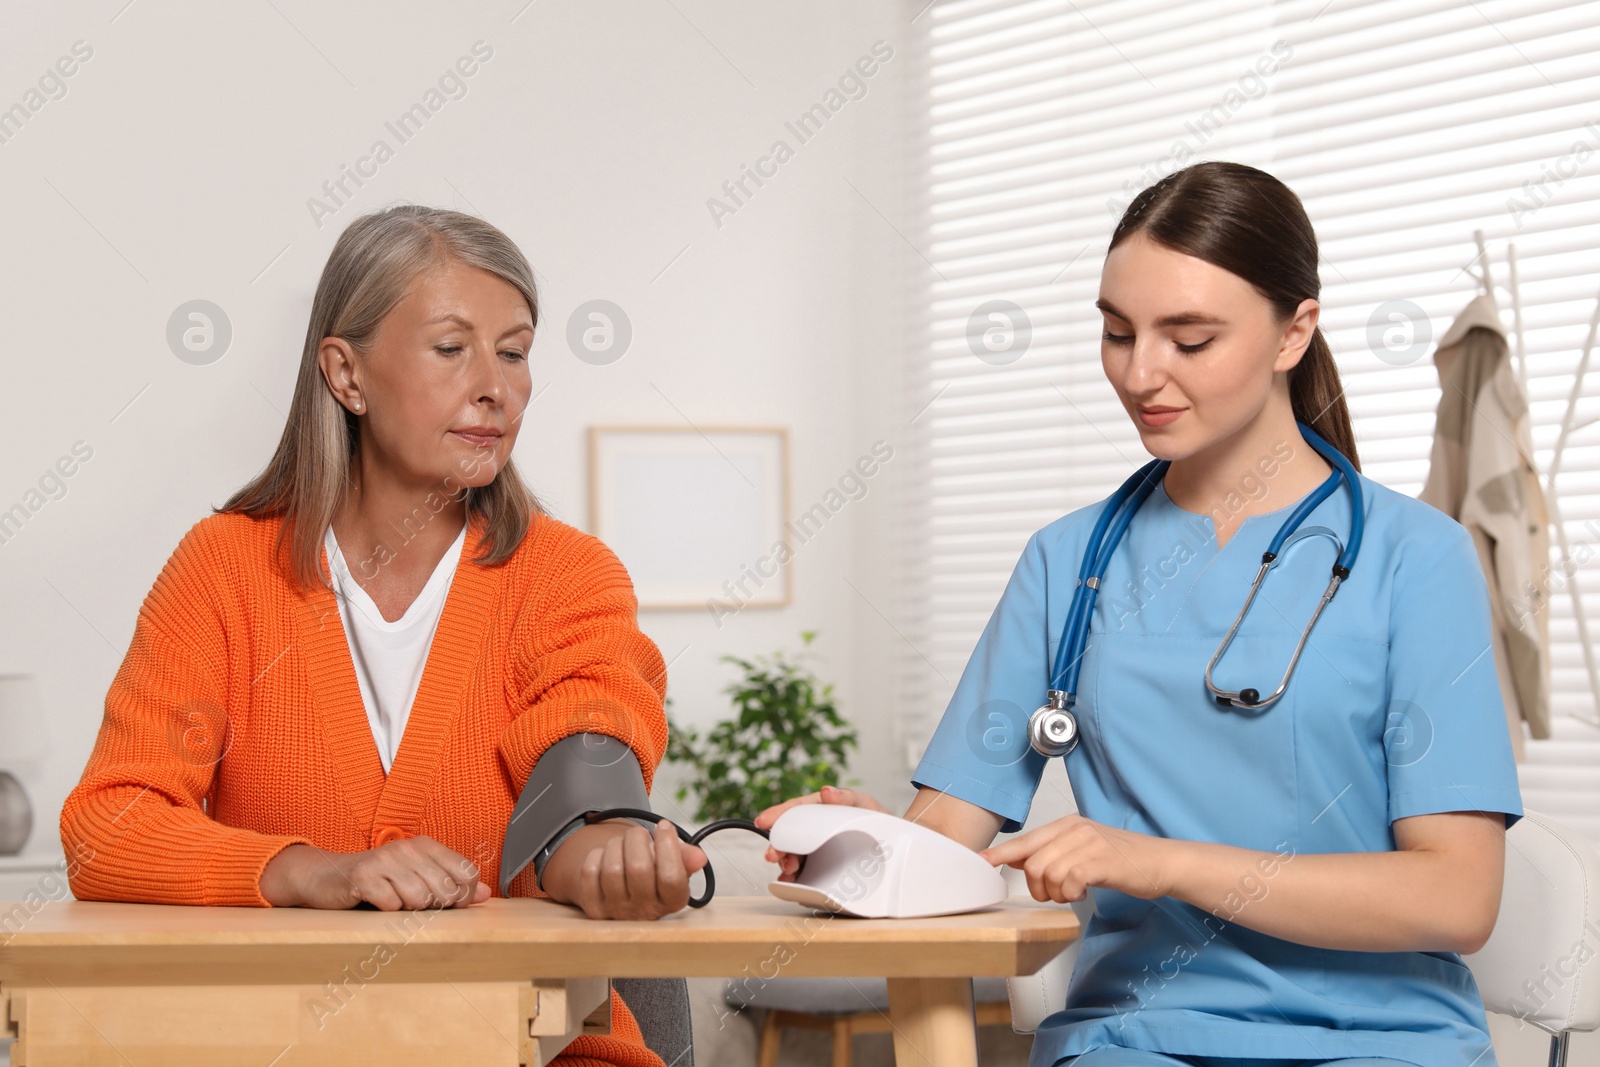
x,y
1549,917
1541,964
1033,996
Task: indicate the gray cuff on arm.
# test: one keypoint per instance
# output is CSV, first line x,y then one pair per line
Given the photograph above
x,y
576,775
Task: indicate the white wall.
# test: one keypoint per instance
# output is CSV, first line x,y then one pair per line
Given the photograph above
x,y
179,163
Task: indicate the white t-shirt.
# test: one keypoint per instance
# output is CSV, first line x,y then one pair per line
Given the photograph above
x,y
389,656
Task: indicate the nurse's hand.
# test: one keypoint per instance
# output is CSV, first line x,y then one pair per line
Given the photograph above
x,y
789,863
412,873
1063,858
619,870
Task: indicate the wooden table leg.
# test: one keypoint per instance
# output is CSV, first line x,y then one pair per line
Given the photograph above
x,y
933,1020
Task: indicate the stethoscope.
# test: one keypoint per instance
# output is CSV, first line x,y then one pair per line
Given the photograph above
x,y
1052,729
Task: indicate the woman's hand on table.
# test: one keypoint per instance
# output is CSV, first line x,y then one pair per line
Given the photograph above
x,y
1063,858
412,873
617,869
788,863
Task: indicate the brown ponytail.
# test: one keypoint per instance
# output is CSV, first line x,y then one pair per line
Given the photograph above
x,y
1317,397
1250,224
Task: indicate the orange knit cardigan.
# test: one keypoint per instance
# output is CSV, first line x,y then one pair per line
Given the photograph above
x,y
235,726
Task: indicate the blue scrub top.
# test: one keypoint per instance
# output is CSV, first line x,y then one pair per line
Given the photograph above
x,y
1393,710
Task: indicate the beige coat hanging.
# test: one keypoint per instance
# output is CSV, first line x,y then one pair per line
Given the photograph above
x,y
1482,474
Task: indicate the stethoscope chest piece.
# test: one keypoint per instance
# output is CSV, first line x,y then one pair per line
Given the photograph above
x,y
1053,729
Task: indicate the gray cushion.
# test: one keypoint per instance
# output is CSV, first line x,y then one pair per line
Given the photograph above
x,y
661,1008
832,996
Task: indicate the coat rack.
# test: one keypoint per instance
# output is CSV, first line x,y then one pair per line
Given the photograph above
x,y
1569,426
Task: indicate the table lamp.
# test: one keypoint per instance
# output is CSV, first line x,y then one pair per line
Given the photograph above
x,y
22,737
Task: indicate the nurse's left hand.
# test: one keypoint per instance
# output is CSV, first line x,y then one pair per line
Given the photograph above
x,y
1063,858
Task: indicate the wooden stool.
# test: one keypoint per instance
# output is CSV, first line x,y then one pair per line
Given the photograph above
x,y
845,1008
846,1027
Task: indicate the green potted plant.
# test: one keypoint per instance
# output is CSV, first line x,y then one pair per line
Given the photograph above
x,y
785,739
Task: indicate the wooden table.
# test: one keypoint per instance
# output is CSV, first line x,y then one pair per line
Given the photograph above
x,y
505,982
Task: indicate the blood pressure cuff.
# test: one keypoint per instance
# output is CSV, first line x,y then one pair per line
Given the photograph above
x,y
579,774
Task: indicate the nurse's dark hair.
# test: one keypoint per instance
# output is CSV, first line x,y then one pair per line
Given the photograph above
x,y
369,270
1251,224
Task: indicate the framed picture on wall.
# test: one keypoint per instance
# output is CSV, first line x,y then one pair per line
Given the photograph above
x,y
699,516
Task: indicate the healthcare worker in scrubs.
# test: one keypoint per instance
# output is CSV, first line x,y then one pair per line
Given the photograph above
x,y
1289,885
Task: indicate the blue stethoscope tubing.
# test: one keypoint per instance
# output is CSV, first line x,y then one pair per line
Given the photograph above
x,y
1052,729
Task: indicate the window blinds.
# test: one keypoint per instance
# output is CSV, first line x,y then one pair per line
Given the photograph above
x,y
1404,125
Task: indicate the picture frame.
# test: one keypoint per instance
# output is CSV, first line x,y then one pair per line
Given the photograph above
x,y
698,515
